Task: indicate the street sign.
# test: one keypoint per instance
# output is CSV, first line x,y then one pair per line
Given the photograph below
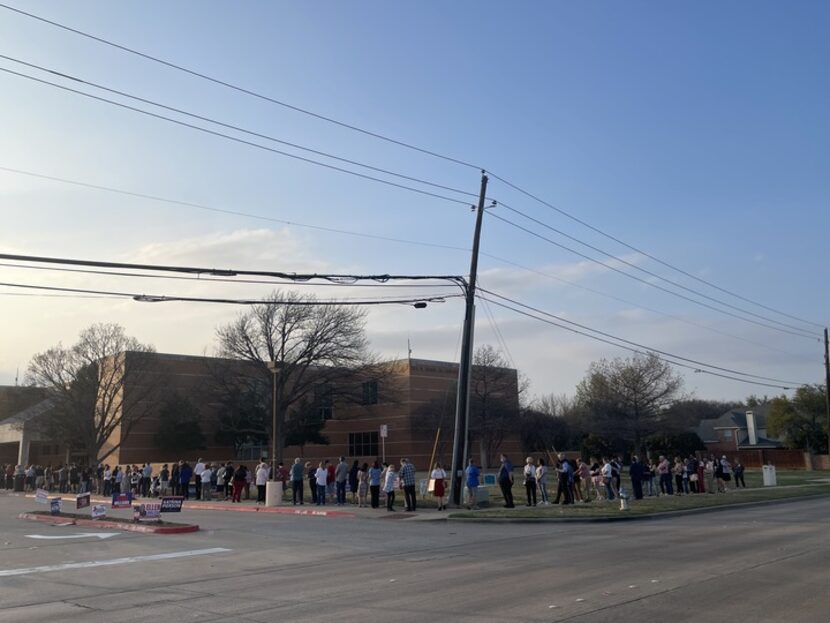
x,y
384,431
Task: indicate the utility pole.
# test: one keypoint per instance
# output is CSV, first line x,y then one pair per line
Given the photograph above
x,y
827,385
462,405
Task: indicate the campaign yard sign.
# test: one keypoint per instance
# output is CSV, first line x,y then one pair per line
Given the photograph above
x,y
83,500
42,496
55,506
172,504
122,500
99,511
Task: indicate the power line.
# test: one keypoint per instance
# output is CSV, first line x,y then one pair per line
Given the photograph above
x,y
646,254
195,270
649,283
199,206
646,271
153,298
199,279
636,344
634,350
239,129
400,143
243,90
236,139
637,305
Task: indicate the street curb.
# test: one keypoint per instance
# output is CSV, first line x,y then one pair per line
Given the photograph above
x,y
667,514
211,506
112,525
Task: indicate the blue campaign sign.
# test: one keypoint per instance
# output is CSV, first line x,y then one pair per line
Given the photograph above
x,y
55,506
122,500
171,504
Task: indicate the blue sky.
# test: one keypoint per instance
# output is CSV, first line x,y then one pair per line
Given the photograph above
x,y
695,131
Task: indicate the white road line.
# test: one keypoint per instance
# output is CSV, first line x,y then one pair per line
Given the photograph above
x,y
85,535
115,561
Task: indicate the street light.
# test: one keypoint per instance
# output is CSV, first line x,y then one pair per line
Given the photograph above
x,y
275,367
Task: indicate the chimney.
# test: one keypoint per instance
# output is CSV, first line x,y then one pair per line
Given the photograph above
x,y
750,428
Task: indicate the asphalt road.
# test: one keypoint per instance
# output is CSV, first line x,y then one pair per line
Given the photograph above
x,y
760,564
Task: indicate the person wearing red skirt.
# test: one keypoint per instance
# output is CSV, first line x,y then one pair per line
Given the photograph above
x,y
439,476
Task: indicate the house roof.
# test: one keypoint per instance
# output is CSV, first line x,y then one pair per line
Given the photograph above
x,y
706,431
763,442
736,418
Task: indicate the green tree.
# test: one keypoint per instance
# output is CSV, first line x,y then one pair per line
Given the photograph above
x,y
304,426
542,432
179,427
679,444
801,421
242,418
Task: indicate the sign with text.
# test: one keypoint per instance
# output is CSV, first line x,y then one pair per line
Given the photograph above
x,y
147,511
42,496
83,500
55,506
171,504
122,500
99,511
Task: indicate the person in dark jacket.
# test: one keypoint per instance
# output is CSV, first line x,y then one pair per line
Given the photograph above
x,y
636,471
185,474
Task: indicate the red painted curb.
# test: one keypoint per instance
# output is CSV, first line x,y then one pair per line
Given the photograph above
x,y
211,506
112,525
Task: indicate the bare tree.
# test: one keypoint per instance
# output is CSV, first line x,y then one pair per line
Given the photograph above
x,y
100,389
628,398
321,351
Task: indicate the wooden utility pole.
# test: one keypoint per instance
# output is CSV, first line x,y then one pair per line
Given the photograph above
x,y
462,405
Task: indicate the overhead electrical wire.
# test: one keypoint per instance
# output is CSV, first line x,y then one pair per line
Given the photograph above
x,y
223,272
648,255
242,89
636,344
400,143
199,206
800,333
156,298
236,139
646,271
238,128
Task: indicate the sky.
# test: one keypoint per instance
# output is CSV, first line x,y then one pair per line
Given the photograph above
x,y
696,132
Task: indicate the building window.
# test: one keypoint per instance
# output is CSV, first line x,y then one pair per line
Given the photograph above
x,y
323,400
363,444
727,434
370,393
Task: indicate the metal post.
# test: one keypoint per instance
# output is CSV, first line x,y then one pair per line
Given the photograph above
x,y
462,405
827,385
276,447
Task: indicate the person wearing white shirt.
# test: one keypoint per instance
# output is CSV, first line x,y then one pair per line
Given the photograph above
x,y
439,476
197,472
261,480
322,475
207,489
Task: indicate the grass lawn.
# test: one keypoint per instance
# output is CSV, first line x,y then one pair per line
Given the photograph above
x,y
792,484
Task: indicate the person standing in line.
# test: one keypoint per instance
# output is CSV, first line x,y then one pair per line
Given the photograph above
x,y
322,476
174,478
311,474
297,478
701,475
375,473
221,475
147,476
709,474
738,470
541,481
106,478
261,480
564,480
185,473
664,471
207,490
240,481
473,473
586,479
677,470
636,472
197,474
608,479
389,487
362,485
329,466
229,480
407,477
341,477
726,468
353,480
505,480
439,477
530,481
164,477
